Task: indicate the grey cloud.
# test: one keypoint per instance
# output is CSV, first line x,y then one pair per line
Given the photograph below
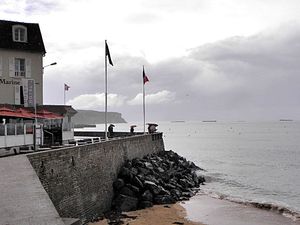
x,y
143,18
41,6
175,6
240,78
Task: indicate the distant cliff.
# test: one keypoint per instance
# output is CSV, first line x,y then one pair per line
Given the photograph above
x,y
96,117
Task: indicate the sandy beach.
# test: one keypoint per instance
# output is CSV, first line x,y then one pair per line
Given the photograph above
x,y
208,210
156,215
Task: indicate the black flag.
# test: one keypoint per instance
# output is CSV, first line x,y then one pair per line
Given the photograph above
x,y
108,54
145,78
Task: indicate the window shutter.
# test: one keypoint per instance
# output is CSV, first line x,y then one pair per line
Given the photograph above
x,y
11,67
28,68
17,95
1,66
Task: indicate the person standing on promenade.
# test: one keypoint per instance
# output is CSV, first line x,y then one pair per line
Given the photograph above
x,y
111,130
132,129
152,128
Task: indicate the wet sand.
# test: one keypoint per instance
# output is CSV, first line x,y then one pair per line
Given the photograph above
x,y
214,211
156,215
208,210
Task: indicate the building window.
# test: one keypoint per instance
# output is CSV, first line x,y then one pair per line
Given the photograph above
x,y
19,33
20,69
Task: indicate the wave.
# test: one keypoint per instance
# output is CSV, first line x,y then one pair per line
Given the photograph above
x,y
274,207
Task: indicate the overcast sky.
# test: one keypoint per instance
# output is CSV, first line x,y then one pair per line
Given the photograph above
x,y
205,59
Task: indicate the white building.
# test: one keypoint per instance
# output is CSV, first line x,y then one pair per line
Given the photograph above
x,y
21,63
21,92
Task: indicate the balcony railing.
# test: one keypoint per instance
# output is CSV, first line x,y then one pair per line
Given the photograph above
x,y
16,129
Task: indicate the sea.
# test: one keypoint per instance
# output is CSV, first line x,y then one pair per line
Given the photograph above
x,y
254,164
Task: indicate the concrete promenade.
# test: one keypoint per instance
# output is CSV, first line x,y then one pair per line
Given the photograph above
x,y
23,200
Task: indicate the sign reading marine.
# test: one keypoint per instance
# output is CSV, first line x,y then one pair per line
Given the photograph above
x,y
9,82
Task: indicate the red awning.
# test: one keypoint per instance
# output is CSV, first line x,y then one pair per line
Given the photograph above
x,y
25,113
20,113
44,114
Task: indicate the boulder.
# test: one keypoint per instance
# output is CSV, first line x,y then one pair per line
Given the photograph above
x,y
147,196
148,165
154,188
161,178
135,189
145,204
125,203
118,184
164,199
127,191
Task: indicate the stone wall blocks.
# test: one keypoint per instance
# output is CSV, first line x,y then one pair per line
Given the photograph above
x,y
79,179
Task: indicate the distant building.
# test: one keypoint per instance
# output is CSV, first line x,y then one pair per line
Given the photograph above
x,y
21,63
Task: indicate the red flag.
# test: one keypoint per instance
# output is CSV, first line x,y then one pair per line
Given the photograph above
x,y
108,54
145,78
66,87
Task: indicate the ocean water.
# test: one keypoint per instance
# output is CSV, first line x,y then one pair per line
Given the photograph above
x,y
252,163
244,162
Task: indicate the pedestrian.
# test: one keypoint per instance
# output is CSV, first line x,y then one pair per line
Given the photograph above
x,y
132,129
152,128
111,130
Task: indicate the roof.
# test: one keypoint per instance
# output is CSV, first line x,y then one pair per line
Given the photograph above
x,y
60,109
34,37
43,111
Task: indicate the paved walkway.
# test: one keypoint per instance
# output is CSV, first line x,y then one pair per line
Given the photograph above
x,y
23,200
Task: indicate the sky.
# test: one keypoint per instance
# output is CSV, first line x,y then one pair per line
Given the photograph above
x,y
225,60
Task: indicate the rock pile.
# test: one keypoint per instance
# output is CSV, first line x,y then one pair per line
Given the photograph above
x,y
161,178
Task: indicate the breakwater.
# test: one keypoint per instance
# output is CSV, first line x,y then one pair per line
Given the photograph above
x,y
159,178
79,179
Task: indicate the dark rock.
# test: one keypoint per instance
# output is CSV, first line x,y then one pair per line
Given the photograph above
x,y
145,204
164,199
183,198
127,191
164,191
169,186
134,171
148,165
201,180
161,178
135,189
143,171
184,183
187,194
195,178
165,177
118,184
125,203
151,178
125,174
137,163
160,170
176,193
128,164
155,189
147,196
137,182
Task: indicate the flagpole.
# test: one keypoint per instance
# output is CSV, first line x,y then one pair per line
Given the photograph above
x,y
105,114
144,108
64,94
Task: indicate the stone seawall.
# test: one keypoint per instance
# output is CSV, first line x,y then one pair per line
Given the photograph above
x,y
79,179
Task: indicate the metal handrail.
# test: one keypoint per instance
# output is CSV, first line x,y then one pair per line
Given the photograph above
x,y
52,136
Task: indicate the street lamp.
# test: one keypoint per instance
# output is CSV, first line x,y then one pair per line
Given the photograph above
x,y
51,64
35,107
